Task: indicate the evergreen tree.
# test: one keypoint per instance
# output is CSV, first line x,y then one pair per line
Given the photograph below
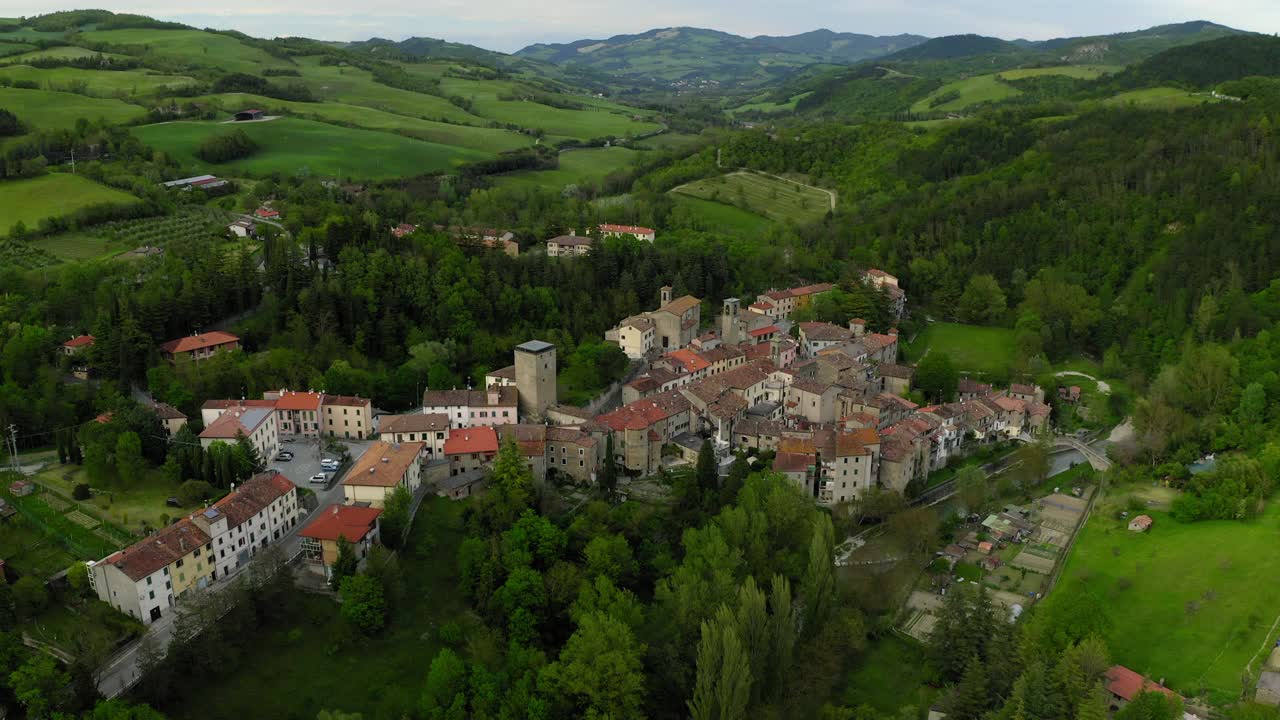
x,y
345,564
1095,705
782,635
949,647
608,478
818,591
708,480
970,698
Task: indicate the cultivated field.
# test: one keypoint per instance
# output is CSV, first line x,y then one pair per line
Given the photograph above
x,y
30,201
1160,97
1191,603
972,348
476,138
1083,72
98,83
778,200
290,146
577,167
974,90
60,110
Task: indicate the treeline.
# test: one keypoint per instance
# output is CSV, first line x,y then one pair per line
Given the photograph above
x,y
254,85
225,147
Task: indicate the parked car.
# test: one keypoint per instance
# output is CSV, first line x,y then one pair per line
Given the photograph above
x,y
173,502
319,479
285,456
329,464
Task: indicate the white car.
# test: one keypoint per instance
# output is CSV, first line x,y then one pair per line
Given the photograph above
x,y
328,464
319,479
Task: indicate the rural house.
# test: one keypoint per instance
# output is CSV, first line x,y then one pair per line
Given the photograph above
x,y
381,469
355,524
200,346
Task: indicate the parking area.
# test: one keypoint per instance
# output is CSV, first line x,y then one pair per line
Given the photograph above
x,y
306,462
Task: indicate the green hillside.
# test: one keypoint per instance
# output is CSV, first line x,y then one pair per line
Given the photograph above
x,y
98,83
57,52
190,48
61,110
32,200
1208,63
293,146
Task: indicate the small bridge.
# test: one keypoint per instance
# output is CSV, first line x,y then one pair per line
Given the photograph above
x,y
1098,460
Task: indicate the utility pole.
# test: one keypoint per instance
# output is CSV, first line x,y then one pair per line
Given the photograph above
x,y
73,160
13,442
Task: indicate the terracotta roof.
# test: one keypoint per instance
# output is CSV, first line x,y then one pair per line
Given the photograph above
x,y
761,306
471,440
689,360
571,240
199,342
167,412
414,423
79,341
876,272
570,435
507,397
531,440
680,305
1022,389
352,522
906,372
811,386
1009,404
1142,521
794,444
626,229
790,462
225,404
643,413
1127,684
763,331
149,556
824,331
347,400
291,400
811,289
370,470
969,385
253,495
638,322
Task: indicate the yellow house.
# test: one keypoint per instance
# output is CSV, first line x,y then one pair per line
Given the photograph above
x,y
383,467
356,525
347,417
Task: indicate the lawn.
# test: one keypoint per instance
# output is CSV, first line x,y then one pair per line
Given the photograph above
x,y
778,200
1196,599
32,200
709,215
888,675
191,47
1159,97
297,669
577,167
12,48
291,146
974,90
972,348
48,110
99,83
141,502
476,138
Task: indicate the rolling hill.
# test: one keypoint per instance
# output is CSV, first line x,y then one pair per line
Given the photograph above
x,y
841,46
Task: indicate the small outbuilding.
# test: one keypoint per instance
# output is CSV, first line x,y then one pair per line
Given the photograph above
x,y
1142,523
250,114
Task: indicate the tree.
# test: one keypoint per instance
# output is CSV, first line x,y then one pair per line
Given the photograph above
x,y
510,486
983,301
723,685
1152,706
600,672
608,478
818,591
30,596
8,608
971,488
610,556
1034,461
970,698
130,464
936,377
121,710
345,564
363,604
708,479
395,517
9,124
78,578
1095,705
39,686
445,694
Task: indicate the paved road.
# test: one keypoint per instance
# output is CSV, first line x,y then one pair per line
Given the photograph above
x,y
121,671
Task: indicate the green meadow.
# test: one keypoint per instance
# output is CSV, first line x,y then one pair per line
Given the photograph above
x,y
191,47
60,110
32,200
98,83
291,145
779,200
577,167
972,348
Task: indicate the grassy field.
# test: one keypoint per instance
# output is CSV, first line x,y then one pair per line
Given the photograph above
x,y
476,138
30,201
710,215
770,108
671,141
581,124
775,199
888,675
974,90
29,550
577,167
192,47
60,52
13,48
354,86
972,348
1197,599
141,502
290,145
1083,72
1160,97
60,110
296,670
78,246
99,83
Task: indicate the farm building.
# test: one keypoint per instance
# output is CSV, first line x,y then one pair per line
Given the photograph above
x,y
1142,523
250,114
241,228
76,344
266,213
202,182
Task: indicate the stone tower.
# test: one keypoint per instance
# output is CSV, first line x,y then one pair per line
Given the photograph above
x,y
535,378
729,322
666,295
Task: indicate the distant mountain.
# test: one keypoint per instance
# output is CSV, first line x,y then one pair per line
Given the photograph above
x,y
428,47
688,57
957,46
1130,47
1206,64
849,47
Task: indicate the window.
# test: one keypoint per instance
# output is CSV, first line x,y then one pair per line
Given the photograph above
x,y
148,581
152,595
180,561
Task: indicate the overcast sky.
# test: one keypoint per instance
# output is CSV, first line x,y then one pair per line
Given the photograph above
x,y
508,25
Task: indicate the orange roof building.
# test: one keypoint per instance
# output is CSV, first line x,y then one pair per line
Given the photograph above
x,y
382,468
200,346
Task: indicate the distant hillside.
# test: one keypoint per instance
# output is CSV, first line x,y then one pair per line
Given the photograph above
x,y
693,57
957,46
1208,63
427,47
849,47
1130,47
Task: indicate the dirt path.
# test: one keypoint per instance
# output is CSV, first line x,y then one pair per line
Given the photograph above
x,y
1103,386
831,194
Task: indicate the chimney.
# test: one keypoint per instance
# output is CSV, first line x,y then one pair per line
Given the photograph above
x,y
335,509
372,470
386,460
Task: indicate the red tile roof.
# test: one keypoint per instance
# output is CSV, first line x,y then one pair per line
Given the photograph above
x,y
471,440
413,423
348,521
768,329
627,229
1127,684
149,556
348,400
689,360
643,413
199,342
79,341
298,401
790,462
250,498
384,464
